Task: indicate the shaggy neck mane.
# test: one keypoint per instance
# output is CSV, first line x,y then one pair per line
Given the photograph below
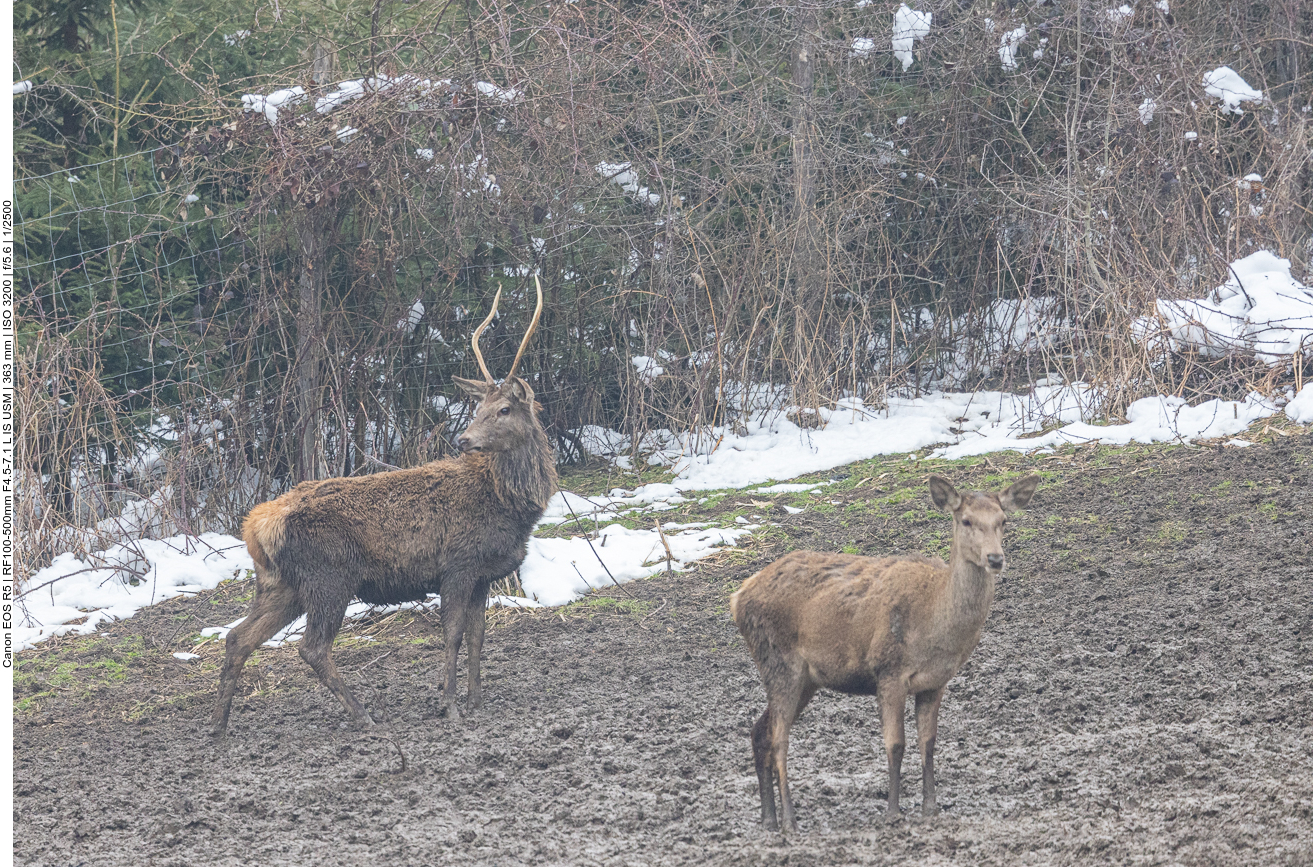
x,y
525,475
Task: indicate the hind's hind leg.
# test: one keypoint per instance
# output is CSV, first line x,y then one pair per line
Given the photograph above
x,y
274,607
761,757
321,627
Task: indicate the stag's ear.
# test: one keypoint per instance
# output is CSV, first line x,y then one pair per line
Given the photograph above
x,y
472,387
1017,496
943,494
519,390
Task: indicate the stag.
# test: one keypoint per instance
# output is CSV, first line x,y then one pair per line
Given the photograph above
x,y
451,527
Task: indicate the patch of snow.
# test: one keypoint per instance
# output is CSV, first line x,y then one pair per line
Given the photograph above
x,y
647,367
863,46
624,175
22,87
1225,83
788,488
1147,108
910,26
1119,15
269,105
411,320
1149,420
120,581
1261,309
505,95
1300,408
1007,48
558,571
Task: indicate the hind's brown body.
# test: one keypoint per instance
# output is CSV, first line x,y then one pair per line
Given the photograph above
x,y
892,627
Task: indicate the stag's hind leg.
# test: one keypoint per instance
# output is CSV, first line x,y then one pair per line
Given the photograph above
x,y
274,607
321,627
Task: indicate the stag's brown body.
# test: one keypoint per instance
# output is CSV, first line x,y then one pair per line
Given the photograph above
x,y
892,627
451,527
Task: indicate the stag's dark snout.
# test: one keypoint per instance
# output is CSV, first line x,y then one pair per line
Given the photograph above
x,y
995,560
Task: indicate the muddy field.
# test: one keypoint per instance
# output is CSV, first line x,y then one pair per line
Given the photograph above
x,y
1142,694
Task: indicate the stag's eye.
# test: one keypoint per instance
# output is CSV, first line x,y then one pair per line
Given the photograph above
x,y
506,410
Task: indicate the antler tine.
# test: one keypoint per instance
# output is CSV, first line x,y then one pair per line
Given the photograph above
x,y
537,314
478,356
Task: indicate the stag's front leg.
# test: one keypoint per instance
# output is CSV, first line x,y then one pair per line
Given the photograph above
x,y
454,614
476,624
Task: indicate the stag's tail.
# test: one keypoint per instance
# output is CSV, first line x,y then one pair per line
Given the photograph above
x,y
265,532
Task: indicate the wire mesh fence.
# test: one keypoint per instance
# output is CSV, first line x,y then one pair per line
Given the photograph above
x,y
732,208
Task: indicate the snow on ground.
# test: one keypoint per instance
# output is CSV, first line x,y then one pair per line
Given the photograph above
x,y
561,570
1300,408
1261,309
120,581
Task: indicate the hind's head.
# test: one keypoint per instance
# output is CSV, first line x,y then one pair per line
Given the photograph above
x,y
979,518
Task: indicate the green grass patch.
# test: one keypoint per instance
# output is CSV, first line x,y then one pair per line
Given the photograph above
x,y
595,604
75,670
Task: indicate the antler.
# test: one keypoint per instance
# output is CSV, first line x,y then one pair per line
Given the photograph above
x,y
524,344
478,356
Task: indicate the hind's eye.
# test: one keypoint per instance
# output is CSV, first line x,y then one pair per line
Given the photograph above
x,y
506,410
966,523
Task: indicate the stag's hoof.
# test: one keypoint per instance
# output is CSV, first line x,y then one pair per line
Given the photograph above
x,y
893,817
929,810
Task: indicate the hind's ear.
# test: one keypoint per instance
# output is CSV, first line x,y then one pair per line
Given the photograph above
x,y
520,390
472,387
1017,496
943,494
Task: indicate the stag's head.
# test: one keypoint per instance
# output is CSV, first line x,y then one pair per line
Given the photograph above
x,y
506,416
979,518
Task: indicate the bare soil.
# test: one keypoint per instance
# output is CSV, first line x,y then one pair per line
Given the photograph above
x,y
1142,694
